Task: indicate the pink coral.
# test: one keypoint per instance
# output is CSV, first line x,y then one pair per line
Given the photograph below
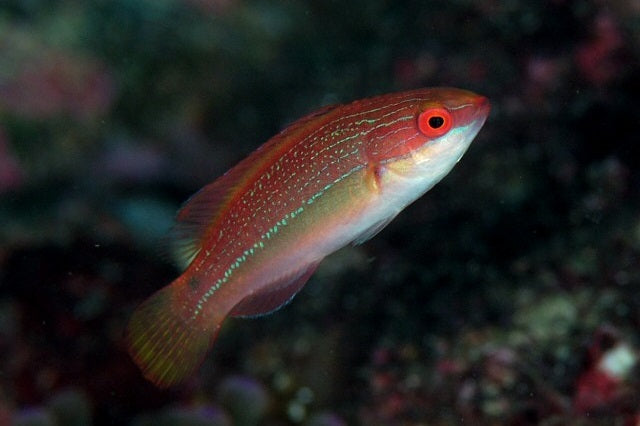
x,y
55,83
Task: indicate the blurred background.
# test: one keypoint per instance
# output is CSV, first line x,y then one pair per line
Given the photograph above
x,y
507,295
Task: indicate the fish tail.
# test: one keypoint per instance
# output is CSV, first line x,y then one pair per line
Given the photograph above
x,y
167,337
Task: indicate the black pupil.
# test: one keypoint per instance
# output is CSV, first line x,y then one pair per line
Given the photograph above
x,y
436,122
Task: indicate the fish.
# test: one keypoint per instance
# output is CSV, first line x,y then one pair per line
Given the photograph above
x,y
250,240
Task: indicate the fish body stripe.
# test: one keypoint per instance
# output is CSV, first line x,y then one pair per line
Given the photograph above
x,y
305,165
263,241
250,239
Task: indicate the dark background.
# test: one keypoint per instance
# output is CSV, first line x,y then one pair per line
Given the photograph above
x,y
506,295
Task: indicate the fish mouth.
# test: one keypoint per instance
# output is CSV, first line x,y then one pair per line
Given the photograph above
x,y
473,112
482,108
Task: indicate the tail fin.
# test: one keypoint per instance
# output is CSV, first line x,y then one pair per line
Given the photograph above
x,y
166,339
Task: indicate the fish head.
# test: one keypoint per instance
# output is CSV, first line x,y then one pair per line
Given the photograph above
x,y
442,125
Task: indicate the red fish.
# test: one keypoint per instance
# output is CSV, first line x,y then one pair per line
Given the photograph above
x,y
251,239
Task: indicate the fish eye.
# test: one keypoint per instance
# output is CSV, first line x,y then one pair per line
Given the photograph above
x,y
434,122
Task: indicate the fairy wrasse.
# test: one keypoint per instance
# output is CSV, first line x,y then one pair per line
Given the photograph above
x,y
251,239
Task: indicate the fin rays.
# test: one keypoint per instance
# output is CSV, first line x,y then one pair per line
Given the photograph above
x,y
274,295
165,343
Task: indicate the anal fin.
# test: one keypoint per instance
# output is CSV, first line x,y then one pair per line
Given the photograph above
x,y
275,295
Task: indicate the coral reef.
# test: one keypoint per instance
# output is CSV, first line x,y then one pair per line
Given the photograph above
x,y
507,295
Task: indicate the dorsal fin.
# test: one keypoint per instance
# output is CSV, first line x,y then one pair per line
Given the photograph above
x,y
203,208
198,213
275,295
302,121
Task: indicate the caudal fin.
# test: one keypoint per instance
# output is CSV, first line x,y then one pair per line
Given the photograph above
x,y
166,339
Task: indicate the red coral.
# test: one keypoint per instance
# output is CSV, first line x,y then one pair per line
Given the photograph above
x,y
601,386
598,59
11,174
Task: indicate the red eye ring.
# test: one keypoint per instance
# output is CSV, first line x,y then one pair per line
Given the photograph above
x,y
435,122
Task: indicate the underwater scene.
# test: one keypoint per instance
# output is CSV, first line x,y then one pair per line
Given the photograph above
x,y
319,212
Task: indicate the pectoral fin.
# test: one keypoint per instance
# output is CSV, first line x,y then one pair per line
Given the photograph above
x,y
371,231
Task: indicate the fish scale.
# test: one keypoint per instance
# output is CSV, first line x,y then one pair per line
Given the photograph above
x,y
252,238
